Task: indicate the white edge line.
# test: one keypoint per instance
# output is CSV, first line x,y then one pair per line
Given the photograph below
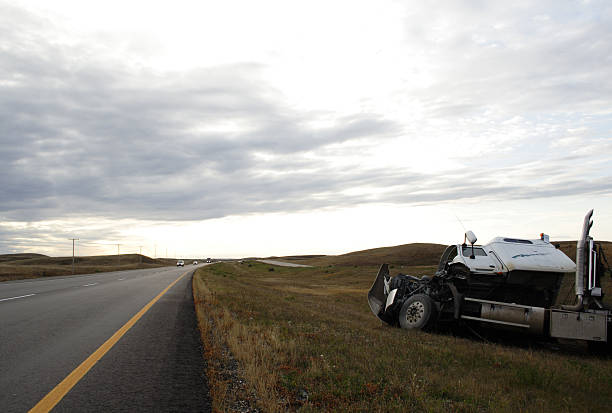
x,y
14,298
89,285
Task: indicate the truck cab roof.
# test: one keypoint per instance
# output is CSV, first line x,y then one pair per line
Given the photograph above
x,y
504,254
530,255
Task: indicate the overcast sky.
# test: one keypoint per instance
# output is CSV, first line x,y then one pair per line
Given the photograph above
x,y
241,128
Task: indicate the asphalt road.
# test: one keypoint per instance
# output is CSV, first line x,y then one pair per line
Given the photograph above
x,y
48,327
284,264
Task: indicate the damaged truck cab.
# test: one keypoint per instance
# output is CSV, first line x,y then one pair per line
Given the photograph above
x,y
508,283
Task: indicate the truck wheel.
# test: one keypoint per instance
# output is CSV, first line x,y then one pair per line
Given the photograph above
x,y
417,312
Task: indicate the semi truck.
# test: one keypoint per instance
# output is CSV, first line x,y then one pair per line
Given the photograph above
x,y
508,283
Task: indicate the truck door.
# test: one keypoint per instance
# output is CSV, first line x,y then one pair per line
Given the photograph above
x,y
479,261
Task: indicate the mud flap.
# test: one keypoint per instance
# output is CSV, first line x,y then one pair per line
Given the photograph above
x,y
377,294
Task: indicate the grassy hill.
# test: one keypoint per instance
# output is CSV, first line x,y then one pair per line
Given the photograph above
x,y
21,266
569,248
407,254
19,257
417,254
102,260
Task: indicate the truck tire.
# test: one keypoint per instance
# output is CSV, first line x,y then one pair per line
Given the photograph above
x,y
418,312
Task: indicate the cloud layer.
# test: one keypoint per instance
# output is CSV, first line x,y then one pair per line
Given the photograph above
x,y
484,104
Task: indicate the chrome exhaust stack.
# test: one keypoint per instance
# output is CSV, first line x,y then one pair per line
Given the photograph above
x,y
583,255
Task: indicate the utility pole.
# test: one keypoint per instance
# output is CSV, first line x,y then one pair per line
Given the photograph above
x,y
73,239
140,246
118,256
155,255
166,252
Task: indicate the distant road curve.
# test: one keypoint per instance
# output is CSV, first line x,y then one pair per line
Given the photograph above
x,y
283,264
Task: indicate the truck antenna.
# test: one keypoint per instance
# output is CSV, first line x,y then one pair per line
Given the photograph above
x,y
463,226
464,229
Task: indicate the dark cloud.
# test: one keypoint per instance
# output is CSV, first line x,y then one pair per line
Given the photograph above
x,y
91,137
31,237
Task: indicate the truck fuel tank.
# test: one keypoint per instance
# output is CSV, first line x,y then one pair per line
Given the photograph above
x,y
510,316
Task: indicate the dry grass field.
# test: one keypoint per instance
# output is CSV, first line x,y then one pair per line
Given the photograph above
x,y
304,339
22,266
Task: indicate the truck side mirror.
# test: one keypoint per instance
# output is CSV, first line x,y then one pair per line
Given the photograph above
x,y
471,237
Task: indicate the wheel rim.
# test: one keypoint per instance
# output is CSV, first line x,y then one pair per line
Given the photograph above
x,y
415,312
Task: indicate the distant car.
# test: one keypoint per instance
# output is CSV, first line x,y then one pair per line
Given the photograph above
x,y
180,263
208,260
195,263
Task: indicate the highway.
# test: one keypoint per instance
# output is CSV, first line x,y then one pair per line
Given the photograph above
x,y
52,327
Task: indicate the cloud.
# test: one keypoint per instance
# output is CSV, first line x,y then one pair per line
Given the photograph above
x,y
519,57
88,138
54,235
490,103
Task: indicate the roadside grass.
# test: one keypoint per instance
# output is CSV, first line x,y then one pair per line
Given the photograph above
x,y
304,339
35,266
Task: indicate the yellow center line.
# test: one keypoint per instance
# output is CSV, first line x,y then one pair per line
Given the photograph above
x,y
54,396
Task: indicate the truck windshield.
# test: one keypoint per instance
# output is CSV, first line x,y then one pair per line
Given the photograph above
x,y
478,252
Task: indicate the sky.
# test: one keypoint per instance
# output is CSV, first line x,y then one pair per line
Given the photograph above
x,y
240,128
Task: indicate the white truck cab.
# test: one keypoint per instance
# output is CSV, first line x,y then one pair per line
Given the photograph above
x,y
502,255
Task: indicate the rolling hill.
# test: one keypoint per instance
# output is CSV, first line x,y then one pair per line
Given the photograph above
x,y
410,254
407,254
4,258
20,266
